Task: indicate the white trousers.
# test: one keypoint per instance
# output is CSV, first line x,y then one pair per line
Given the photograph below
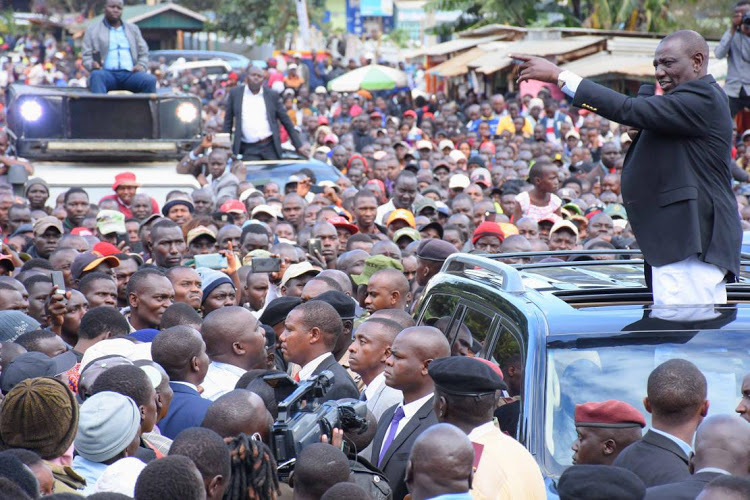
x,y
690,282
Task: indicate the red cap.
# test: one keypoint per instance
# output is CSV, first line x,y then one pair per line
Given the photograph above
x,y
81,231
489,363
341,222
610,413
233,206
124,179
410,112
106,249
375,114
487,228
323,120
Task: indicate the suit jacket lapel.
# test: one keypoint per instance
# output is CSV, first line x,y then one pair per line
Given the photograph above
x,y
377,441
270,110
324,365
414,423
665,443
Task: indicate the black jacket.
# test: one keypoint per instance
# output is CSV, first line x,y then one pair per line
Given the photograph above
x,y
275,113
683,490
656,459
397,455
676,182
343,385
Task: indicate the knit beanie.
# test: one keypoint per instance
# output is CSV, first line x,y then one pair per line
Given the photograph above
x,y
13,324
41,415
109,422
33,181
211,280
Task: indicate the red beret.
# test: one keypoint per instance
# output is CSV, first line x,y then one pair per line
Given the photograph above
x,y
610,413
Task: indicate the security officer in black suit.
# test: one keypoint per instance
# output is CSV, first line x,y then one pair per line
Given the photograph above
x,y
676,176
253,113
406,369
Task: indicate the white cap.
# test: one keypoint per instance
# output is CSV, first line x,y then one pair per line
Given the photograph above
x,y
292,66
265,209
457,155
459,181
445,143
247,193
424,144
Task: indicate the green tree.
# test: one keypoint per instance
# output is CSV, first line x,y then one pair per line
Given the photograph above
x,y
257,19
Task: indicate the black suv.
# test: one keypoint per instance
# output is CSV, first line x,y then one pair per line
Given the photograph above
x,y
580,331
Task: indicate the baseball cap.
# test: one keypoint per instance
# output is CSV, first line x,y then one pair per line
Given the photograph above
x,y
265,209
232,207
297,270
481,176
457,155
563,224
410,112
407,232
423,203
341,222
87,261
424,144
374,264
45,223
616,211
110,221
401,214
35,364
445,143
199,231
459,181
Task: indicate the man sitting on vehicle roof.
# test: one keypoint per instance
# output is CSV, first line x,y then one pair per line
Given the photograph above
x,y
116,54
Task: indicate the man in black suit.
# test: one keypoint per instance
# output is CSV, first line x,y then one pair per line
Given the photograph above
x,y
721,448
406,367
676,175
309,336
253,113
676,400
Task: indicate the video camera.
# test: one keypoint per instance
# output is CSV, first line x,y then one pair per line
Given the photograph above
x,y
746,18
303,419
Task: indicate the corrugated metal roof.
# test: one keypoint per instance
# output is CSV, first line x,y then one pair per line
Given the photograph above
x,y
497,56
458,44
457,65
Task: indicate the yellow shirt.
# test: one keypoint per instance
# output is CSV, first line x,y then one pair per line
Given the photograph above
x,y
506,123
506,470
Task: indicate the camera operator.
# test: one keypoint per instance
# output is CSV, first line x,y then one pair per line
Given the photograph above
x,y
735,45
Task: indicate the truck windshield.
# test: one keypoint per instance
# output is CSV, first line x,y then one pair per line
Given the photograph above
x,y
617,367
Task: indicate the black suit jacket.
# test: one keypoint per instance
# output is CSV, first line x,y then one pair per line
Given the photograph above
x,y
275,113
676,181
684,490
343,385
397,455
656,459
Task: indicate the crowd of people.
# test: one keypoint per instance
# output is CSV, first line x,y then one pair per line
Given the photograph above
x,y
141,340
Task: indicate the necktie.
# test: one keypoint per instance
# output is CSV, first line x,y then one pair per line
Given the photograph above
x,y
391,432
296,377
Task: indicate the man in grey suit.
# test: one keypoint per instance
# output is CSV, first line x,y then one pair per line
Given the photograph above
x,y
406,370
676,400
310,333
721,449
116,54
223,183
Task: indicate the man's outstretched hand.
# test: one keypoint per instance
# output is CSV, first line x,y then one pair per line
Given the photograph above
x,y
536,68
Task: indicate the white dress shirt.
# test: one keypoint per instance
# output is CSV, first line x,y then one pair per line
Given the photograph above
x,y
685,447
306,371
220,379
373,386
255,126
410,409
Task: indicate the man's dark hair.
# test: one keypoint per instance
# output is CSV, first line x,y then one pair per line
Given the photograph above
x,y
332,283
253,229
355,238
89,278
127,256
174,349
345,491
29,282
103,319
252,380
676,389
404,175
128,380
180,313
27,457
32,341
364,193
573,180
37,263
319,466
139,277
317,313
403,318
162,224
170,478
206,449
73,191
733,487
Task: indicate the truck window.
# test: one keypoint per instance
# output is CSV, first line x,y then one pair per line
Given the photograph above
x,y
440,308
508,355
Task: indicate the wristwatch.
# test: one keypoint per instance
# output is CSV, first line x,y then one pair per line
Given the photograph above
x,y
562,78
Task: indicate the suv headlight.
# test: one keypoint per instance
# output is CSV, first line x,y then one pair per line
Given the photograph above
x,y
187,112
31,110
